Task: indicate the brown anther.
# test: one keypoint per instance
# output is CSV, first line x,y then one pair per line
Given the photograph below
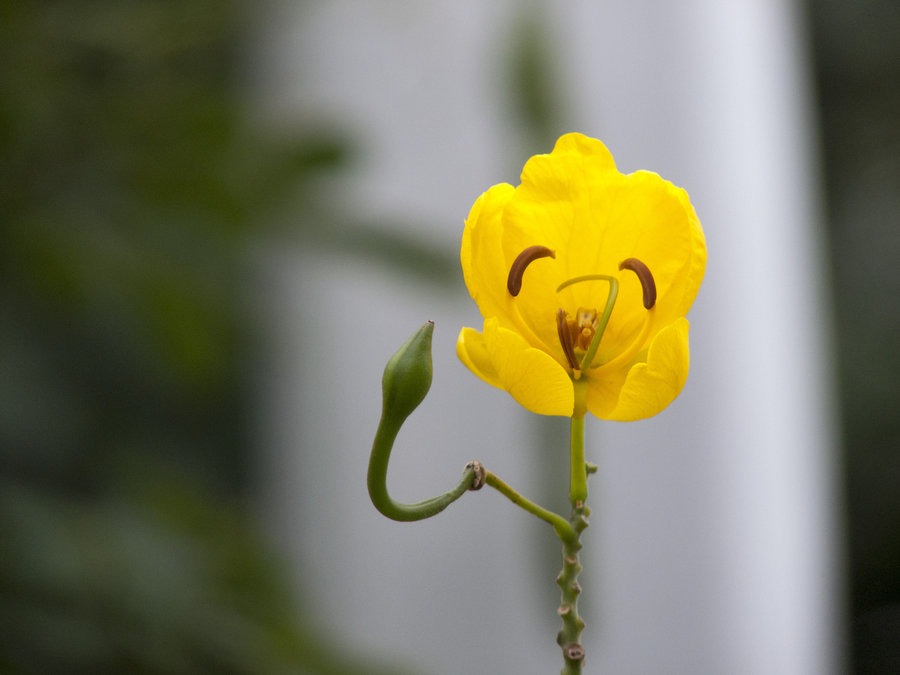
x,y
645,277
480,474
573,652
565,338
523,260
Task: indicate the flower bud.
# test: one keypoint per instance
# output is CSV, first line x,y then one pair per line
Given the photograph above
x,y
407,376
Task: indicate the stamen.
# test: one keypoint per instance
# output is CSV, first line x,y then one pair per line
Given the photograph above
x,y
523,260
645,277
585,323
600,325
565,339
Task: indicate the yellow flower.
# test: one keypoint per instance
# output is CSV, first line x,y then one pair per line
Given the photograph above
x,y
584,276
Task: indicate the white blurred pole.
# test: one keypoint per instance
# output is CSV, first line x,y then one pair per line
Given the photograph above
x,y
712,545
734,529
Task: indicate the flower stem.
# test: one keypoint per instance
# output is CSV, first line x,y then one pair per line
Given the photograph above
x,y
569,638
578,478
406,381
563,528
577,467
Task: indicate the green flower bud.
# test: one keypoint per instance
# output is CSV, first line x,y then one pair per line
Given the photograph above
x,y
406,381
407,376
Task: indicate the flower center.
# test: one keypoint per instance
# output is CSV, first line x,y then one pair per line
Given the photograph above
x,y
583,327
576,335
586,329
580,335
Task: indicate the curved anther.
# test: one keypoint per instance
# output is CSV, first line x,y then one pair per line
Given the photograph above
x,y
565,339
522,261
646,278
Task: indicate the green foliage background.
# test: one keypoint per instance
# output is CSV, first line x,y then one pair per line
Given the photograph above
x,y
131,189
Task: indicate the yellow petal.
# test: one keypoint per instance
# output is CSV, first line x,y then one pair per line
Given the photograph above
x,y
579,144
561,202
484,267
661,228
471,350
648,387
504,359
575,202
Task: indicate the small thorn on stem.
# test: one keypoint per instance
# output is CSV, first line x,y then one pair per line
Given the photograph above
x,y
573,652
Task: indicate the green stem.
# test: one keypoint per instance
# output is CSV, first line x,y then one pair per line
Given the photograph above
x,y
577,466
578,478
406,380
563,529
569,638
377,481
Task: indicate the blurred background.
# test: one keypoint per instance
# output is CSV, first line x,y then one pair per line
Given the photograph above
x,y
220,219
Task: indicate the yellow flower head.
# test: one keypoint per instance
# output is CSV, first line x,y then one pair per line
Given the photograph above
x,y
584,276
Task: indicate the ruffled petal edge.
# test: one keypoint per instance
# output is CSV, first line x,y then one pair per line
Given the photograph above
x,y
649,387
503,359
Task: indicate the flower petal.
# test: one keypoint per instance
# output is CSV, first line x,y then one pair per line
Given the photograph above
x,y
504,359
661,228
648,387
484,267
576,202
472,351
585,146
